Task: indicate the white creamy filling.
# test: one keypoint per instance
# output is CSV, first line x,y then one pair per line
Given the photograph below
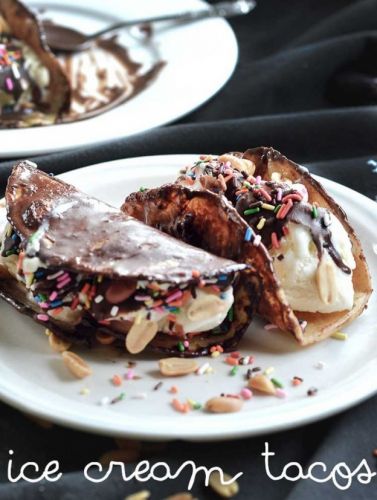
x,y
200,314
298,270
84,71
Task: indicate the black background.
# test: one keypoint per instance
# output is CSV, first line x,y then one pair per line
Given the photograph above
x,y
304,69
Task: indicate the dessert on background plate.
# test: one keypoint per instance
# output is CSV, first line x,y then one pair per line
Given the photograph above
x,y
38,87
34,88
90,273
316,279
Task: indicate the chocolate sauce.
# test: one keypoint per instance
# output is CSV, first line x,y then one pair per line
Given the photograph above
x,y
251,198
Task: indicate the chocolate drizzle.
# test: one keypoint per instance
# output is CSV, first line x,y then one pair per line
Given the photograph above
x,y
245,194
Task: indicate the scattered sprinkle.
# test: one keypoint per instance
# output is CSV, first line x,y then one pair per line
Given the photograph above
x,y
314,211
246,393
202,369
277,383
248,234
274,240
251,211
42,317
85,391
312,391
194,404
280,393
233,371
173,389
104,401
267,206
257,239
339,336
269,370
130,375
116,380
215,354
181,347
180,407
114,311
297,381
157,386
261,223
119,398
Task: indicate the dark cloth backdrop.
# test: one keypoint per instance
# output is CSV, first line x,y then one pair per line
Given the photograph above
x,y
306,84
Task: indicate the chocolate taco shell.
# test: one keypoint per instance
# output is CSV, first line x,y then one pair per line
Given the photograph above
x,y
24,25
270,163
77,233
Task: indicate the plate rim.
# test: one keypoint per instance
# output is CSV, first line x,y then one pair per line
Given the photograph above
x,y
303,415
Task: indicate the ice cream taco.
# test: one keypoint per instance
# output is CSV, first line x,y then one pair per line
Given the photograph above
x,y
34,89
319,279
89,272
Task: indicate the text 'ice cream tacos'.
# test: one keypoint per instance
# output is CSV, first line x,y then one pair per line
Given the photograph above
x,y
319,279
84,269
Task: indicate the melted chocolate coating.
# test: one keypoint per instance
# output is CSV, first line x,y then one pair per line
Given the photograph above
x,y
86,235
87,239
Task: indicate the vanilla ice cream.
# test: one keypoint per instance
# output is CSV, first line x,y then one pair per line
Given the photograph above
x,y
297,265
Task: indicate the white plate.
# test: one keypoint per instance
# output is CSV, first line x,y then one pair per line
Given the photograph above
x,y
200,58
32,378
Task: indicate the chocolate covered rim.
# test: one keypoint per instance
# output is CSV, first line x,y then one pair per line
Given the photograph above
x,y
267,162
273,304
75,231
25,26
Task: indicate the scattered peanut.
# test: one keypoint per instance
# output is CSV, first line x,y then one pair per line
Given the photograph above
x,y
140,335
57,344
76,365
140,495
224,490
172,367
223,404
262,383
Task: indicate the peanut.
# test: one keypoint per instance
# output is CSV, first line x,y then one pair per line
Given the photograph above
x,y
140,335
172,367
262,383
57,344
325,279
140,495
76,365
223,404
224,490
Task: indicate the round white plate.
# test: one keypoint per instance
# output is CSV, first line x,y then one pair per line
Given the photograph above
x,y
33,379
200,58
